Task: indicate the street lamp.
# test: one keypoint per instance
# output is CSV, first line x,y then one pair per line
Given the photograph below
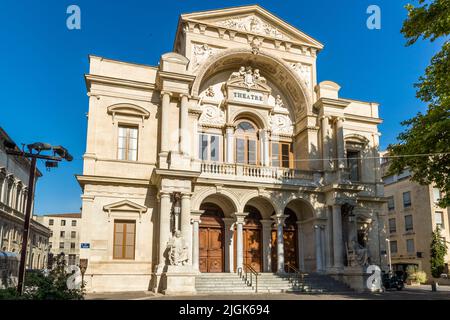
x,y
59,153
389,254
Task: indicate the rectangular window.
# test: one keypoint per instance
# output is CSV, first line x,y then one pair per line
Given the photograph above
x,y
62,234
50,222
281,154
392,226
72,259
410,245
73,234
436,195
391,203
72,245
251,152
406,199
127,143
285,155
393,246
409,223
240,150
74,223
61,245
275,154
124,239
209,147
63,223
439,218
353,164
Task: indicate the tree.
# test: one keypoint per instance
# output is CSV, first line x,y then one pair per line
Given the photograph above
x,y
438,252
429,133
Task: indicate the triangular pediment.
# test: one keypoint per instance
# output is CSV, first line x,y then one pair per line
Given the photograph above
x,y
252,20
125,205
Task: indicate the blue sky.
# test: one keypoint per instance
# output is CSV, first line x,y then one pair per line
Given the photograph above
x,y
42,65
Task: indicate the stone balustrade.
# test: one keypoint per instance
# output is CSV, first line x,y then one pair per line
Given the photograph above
x,y
255,173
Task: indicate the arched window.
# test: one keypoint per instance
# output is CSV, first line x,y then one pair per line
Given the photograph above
x,y
246,143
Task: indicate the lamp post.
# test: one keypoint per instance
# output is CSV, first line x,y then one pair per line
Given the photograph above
x,y
389,255
83,267
59,153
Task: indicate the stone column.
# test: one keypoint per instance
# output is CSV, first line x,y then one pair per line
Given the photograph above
x,y
240,239
301,247
340,142
266,243
229,252
279,220
325,143
337,237
165,113
195,220
265,148
184,131
186,231
229,143
164,225
318,245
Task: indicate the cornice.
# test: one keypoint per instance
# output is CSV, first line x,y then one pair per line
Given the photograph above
x,y
90,179
91,78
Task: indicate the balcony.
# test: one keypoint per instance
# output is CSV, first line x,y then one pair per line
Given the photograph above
x,y
259,174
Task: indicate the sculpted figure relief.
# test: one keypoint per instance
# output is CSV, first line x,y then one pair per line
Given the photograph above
x,y
201,53
250,77
359,255
178,250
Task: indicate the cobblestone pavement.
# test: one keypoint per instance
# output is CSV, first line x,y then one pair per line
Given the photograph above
x,y
409,293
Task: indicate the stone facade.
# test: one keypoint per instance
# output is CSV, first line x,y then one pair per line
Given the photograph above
x,y
14,177
64,236
410,224
232,126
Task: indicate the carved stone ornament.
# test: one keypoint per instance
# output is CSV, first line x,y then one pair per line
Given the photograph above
x,y
304,71
178,250
281,124
212,115
201,52
250,78
210,92
256,45
253,24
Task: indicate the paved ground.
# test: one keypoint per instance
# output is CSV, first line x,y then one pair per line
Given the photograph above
x,y
409,293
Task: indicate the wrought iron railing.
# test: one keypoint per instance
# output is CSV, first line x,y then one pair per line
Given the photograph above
x,y
247,274
295,276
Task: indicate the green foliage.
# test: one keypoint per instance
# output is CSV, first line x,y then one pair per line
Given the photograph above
x,y
438,251
428,133
416,275
39,286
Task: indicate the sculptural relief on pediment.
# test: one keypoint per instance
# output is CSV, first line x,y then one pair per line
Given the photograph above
x,y
253,24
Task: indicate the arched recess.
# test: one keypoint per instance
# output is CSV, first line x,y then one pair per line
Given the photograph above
x,y
264,205
302,208
226,200
274,69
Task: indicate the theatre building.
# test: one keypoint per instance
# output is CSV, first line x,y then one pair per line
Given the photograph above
x,y
227,156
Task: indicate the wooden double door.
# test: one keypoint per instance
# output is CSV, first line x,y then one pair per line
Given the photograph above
x,y
211,243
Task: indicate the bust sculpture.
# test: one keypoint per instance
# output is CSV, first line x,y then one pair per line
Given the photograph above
x,y
178,250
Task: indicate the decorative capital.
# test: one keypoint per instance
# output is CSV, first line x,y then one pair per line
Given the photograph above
x,y
240,217
166,92
279,219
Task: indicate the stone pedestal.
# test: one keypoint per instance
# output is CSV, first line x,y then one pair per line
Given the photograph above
x,y
356,278
179,280
178,160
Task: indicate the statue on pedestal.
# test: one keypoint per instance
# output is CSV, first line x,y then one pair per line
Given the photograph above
x,y
357,255
178,250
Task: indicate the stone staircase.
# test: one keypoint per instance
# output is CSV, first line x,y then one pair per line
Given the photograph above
x,y
222,283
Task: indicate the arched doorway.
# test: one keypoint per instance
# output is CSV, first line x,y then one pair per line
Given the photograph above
x,y
211,239
252,236
290,234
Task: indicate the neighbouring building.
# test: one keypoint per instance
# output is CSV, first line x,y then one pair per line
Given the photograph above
x,y
412,214
227,155
14,177
64,235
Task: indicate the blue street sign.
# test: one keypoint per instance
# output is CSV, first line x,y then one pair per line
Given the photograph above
x,y
85,245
